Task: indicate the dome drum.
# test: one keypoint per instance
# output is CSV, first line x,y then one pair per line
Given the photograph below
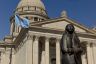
x,y
28,9
31,16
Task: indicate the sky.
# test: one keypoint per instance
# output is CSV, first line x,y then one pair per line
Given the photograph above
x,y
82,11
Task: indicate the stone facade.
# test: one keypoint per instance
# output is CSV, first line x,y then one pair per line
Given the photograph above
x,y
40,43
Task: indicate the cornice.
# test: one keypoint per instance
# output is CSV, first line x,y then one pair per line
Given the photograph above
x,y
59,31
7,45
28,7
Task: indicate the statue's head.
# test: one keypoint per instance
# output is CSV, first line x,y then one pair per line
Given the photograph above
x,y
70,28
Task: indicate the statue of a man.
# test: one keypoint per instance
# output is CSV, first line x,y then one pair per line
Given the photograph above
x,y
70,46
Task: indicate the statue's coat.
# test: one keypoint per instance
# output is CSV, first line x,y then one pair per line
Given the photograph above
x,y
70,48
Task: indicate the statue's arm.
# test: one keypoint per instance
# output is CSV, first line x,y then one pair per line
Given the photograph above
x,y
78,49
63,50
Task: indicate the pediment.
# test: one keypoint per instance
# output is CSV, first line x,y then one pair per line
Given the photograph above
x,y
61,24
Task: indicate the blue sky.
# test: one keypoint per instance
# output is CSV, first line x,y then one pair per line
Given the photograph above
x,y
83,11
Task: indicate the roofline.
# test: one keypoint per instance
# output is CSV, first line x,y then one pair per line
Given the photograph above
x,y
60,19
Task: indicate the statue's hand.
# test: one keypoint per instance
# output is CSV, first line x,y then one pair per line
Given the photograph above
x,y
64,51
70,51
80,50
76,50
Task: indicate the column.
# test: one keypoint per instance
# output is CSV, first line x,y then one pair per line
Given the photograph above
x,y
19,29
36,50
43,54
91,51
6,56
94,52
11,28
84,55
47,50
11,56
15,28
84,59
57,51
29,50
0,57
89,54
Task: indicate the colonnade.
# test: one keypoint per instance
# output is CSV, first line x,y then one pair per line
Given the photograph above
x,y
88,58
34,55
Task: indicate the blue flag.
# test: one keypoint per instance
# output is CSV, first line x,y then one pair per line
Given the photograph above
x,y
17,20
23,22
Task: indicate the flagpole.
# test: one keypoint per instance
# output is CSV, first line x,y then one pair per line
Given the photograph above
x,y
10,57
0,57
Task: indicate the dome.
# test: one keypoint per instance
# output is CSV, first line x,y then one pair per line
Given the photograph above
x,y
37,3
32,9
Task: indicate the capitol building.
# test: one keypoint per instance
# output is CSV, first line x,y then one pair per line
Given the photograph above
x,y
40,43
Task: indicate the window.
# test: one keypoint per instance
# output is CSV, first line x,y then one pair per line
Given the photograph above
x,y
25,8
53,61
42,19
32,8
37,9
19,9
35,18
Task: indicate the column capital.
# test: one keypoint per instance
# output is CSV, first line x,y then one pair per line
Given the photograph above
x,y
58,39
47,38
91,43
88,43
30,37
36,37
94,43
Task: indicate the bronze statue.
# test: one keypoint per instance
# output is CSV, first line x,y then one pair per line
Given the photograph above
x,y
70,46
